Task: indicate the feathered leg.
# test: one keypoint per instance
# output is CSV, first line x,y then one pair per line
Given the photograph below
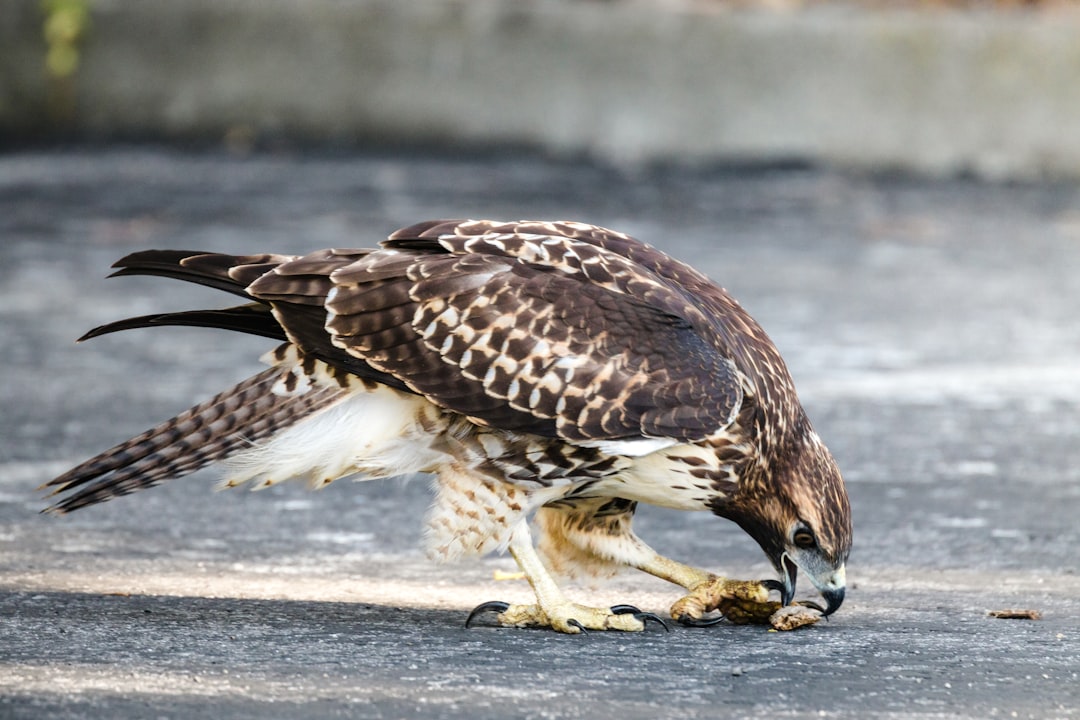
x,y
475,514
592,535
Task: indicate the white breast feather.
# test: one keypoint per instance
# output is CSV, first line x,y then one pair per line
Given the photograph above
x,y
662,479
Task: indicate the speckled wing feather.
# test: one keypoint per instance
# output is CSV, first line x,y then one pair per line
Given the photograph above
x,y
562,329
726,324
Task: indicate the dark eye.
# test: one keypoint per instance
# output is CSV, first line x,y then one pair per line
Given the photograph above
x,y
804,538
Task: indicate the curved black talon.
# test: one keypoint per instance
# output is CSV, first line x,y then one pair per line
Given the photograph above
x,y
771,584
700,622
497,605
643,617
574,623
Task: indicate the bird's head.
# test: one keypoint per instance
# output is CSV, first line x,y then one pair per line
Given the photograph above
x,y
798,511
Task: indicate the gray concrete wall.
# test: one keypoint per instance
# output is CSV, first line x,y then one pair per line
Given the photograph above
x,y
994,93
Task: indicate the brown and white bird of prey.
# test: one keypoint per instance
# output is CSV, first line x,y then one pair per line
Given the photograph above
x,y
554,371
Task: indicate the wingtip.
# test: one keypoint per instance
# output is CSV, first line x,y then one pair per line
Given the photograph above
x,y
153,255
100,330
126,261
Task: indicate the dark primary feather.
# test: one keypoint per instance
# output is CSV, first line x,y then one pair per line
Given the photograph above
x,y
302,289
252,319
210,269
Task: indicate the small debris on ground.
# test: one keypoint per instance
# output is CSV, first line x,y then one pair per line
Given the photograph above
x,y
1016,614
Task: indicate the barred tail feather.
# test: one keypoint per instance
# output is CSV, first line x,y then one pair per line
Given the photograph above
x,y
207,432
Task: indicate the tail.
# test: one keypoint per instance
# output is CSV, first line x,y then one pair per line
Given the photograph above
x,y
208,432
212,430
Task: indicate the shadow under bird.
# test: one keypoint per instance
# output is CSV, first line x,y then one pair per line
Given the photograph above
x,y
556,373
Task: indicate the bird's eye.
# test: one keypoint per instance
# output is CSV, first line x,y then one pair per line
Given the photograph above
x,y
804,538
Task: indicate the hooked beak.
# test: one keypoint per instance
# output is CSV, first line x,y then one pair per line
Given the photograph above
x,y
832,591
833,600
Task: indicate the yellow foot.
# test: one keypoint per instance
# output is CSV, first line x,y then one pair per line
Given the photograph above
x,y
568,617
740,601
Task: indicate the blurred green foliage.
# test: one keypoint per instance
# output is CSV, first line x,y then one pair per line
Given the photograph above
x,y
66,21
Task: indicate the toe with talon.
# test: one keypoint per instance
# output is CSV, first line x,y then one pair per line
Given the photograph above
x,y
699,622
567,617
575,624
748,612
638,614
772,584
740,601
496,606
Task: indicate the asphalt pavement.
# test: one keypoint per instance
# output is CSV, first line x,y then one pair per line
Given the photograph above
x,y
931,328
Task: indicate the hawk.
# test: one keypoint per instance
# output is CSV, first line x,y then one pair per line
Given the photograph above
x,y
552,373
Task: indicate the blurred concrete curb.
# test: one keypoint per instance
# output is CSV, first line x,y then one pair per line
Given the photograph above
x,y
994,93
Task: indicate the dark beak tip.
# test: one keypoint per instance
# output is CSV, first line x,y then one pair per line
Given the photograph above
x,y
833,600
